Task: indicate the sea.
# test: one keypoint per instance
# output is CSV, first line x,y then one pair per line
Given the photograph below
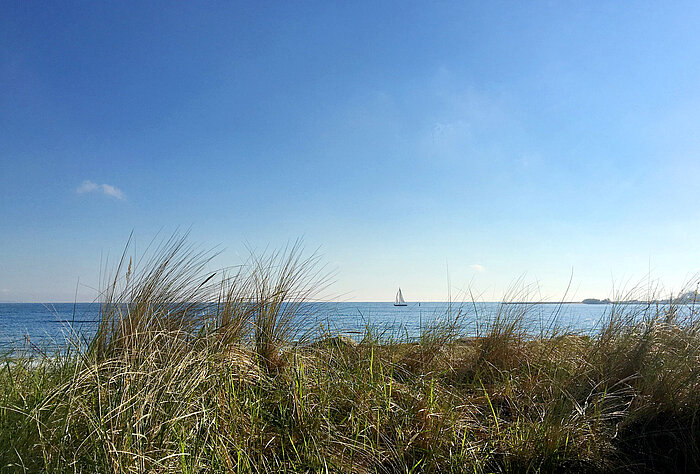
x,y
43,327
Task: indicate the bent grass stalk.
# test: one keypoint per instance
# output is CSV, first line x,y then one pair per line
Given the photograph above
x,y
196,371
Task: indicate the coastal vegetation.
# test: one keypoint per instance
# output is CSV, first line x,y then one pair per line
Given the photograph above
x,y
199,371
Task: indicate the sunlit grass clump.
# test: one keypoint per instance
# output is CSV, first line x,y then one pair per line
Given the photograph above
x,y
196,371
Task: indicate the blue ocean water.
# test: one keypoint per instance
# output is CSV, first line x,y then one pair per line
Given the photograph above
x,y
35,325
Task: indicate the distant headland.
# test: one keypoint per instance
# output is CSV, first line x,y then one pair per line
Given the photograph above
x,y
689,297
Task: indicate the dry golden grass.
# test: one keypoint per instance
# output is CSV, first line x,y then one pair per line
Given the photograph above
x,y
194,372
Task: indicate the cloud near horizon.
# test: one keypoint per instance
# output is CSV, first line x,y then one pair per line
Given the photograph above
x,y
89,186
477,267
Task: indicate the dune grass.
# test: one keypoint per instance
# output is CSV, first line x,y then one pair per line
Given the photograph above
x,y
197,371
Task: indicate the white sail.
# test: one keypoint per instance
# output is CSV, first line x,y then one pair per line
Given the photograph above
x,y
399,301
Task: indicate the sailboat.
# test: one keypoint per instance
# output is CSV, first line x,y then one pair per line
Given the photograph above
x,y
399,299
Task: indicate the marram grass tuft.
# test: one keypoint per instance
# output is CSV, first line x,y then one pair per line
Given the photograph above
x,y
197,371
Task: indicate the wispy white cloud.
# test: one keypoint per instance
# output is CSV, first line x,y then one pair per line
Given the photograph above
x,y
477,267
86,187
112,191
89,186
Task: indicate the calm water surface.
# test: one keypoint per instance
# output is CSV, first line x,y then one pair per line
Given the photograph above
x,y
25,325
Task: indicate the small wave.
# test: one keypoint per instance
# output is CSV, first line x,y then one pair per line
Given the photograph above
x,y
71,321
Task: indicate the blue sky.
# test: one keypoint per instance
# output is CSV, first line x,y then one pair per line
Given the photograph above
x,y
413,143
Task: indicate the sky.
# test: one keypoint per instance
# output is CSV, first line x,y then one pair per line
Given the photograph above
x,y
450,148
